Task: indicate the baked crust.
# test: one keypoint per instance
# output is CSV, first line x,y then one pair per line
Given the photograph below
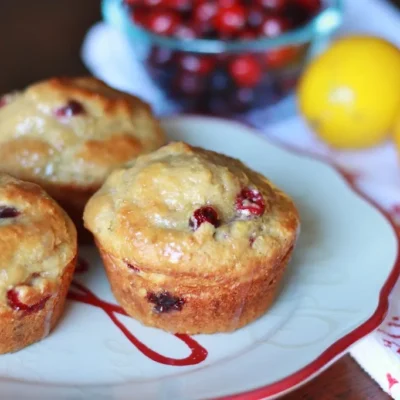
x,y
215,277
19,329
38,247
71,133
209,305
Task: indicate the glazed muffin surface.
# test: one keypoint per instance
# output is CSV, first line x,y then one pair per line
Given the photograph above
x,y
185,226
37,258
144,212
73,131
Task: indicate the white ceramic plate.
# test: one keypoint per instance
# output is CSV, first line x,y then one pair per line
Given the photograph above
x,y
335,292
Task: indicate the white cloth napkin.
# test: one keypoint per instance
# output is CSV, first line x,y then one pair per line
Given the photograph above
x,y
376,172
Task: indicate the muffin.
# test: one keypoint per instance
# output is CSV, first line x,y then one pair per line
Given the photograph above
x,y
68,134
192,241
37,259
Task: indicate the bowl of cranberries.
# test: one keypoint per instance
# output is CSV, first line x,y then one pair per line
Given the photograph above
x,y
225,57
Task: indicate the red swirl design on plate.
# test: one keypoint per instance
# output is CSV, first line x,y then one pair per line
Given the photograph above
x,y
197,354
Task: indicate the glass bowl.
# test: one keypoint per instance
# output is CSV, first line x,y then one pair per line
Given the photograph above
x,y
196,74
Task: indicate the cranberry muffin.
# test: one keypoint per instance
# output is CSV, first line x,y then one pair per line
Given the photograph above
x,y
38,248
68,134
192,241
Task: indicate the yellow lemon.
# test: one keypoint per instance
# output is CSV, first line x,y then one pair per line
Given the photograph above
x,y
350,94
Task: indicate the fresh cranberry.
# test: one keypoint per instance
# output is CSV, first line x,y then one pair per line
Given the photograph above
x,y
227,3
205,10
220,81
250,202
8,212
205,30
197,64
152,3
223,58
189,84
255,17
243,99
246,71
181,5
204,214
160,56
271,92
16,304
248,35
274,5
274,25
281,56
312,7
140,16
165,302
133,2
133,267
203,17
72,109
230,20
185,32
163,22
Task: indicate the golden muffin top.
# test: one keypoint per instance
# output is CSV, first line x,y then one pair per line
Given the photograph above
x,y
37,241
195,211
73,131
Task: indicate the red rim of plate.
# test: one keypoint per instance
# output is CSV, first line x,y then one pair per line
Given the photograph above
x,y
339,347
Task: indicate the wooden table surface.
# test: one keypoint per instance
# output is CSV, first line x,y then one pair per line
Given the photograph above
x,y
42,38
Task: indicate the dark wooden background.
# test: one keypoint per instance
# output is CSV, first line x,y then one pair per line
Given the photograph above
x,y
42,38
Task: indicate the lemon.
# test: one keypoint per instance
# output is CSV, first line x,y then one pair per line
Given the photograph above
x,y
350,94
